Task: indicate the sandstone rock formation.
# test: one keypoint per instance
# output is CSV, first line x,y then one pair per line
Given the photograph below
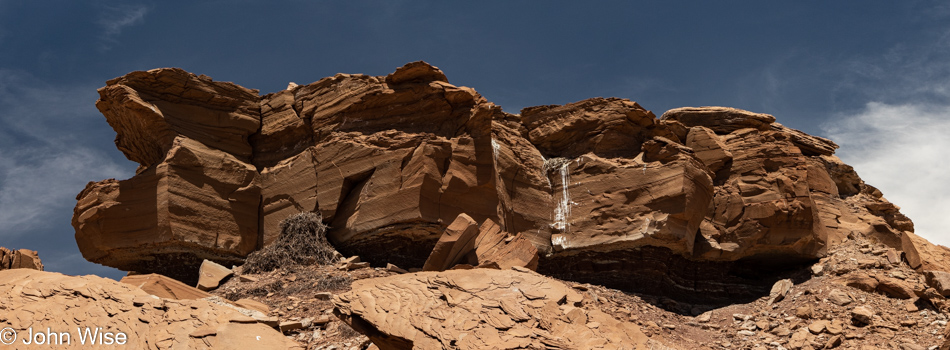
x,y
699,203
53,303
480,309
195,195
20,259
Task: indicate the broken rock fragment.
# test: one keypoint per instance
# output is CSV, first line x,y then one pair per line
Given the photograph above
x,y
211,274
164,287
457,241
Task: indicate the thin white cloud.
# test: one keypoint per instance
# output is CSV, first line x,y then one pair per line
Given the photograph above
x,y
899,141
903,151
38,182
46,154
114,19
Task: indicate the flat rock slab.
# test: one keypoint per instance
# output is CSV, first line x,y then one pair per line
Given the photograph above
x,y
479,309
164,287
40,300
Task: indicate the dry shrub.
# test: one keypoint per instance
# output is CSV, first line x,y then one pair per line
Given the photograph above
x,y
302,240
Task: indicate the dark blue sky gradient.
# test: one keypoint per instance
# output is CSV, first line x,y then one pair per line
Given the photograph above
x,y
806,62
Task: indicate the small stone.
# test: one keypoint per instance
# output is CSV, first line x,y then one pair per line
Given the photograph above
x,y
288,326
704,317
834,342
895,288
246,278
804,312
862,281
356,266
817,327
862,315
911,307
779,290
323,296
835,327
746,332
347,263
395,269
781,331
322,320
893,257
817,269
939,280
837,297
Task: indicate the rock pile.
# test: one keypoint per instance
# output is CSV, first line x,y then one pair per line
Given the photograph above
x,y
20,259
465,242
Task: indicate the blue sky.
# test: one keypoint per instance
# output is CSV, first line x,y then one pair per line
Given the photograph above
x,y
872,75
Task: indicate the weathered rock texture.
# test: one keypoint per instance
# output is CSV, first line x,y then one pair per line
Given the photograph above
x,y
196,194
20,259
465,242
47,301
480,309
702,197
164,287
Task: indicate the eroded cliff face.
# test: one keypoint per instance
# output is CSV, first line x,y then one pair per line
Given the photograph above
x,y
603,188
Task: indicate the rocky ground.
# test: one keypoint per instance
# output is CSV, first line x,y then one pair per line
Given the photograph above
x,y
296,293
833,308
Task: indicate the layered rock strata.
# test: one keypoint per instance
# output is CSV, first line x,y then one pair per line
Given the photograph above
x,y
20,259
389,161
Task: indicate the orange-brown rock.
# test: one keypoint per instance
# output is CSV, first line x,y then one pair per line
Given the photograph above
x,y
199,203
20,259
480,309
211,275
456,243
722,120
164,287
149,110
494,247
67,304
699,200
